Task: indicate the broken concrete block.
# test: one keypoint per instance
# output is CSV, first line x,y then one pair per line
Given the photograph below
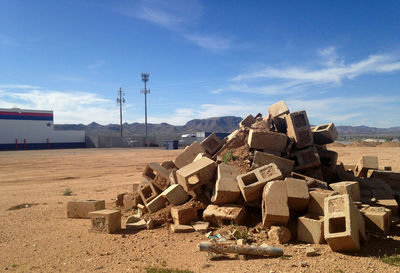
x,y
306,159
142,208
105,221
224,214
377,219
341,223
324,134
391,178
212,144
200,226
175,194
310,229
172,177
201,155
135,223
280,123
275,210
316,202
311,182
188,155
279,235
196,174
120,199
389,203
132,200
183,215
157,174
299,128
311,252
81,208
226,190
278,109
156,204
247,121
297,193
252,183
284,165
364,164
348,187
268,140
169,165
328,158
181,228
147,191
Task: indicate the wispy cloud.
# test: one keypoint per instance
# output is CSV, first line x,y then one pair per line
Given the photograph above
x,y
18,86
68,106
96,64
331,71
178,16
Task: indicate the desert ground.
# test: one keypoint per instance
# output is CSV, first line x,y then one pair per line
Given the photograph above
x,y
40,238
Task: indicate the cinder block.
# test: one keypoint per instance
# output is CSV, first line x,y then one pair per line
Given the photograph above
x,y
278,109
275,209
306,159
157,174
341,223
175,195
268,140
196,174
156,204
169,165
212,144
81,208
311,229
252,183
311,181
181,228
226,190
200,226
324,134
247,121
284,165
132,200
316,202
280,123
328,158
364,164
315,173
224,214
391,178
297,193
147,192
188,155
172,177
377,219
182,215
347,187
135,223
299,128
105,221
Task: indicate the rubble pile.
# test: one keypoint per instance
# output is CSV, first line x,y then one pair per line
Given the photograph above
x,y
275,169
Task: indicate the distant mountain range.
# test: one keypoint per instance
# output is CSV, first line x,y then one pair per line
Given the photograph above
x,y
225,124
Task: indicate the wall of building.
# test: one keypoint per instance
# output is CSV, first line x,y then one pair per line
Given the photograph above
x,y
28,129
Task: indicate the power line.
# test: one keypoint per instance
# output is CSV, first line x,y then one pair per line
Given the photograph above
x,y
120,100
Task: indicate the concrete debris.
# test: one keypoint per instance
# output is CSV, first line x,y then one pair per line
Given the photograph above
x,y
275,168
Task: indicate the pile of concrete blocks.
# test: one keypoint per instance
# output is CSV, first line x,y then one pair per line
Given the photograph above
x,y
279,166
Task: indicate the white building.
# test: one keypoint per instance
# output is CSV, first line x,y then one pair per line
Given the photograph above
x,y
34,129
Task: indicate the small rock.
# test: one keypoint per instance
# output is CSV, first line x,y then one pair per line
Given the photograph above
x,y
304,264
279,234
311,252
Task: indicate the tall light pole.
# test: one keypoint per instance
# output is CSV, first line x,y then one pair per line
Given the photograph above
x,y
120,100
145,79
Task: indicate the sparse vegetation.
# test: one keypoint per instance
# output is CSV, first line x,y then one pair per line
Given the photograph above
x,y
14,265
229,156
393,260
67,192
241,234
338,271
165,270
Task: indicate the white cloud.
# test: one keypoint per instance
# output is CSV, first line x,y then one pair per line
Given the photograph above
x,y
18,86
68,106
178,16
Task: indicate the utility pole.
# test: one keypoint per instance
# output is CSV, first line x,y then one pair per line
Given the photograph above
x,y
145,79
120,100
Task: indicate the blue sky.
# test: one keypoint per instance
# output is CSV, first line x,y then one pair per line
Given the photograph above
x,y
338,60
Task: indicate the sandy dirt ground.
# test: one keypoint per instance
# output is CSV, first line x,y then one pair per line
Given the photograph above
x,y
41,238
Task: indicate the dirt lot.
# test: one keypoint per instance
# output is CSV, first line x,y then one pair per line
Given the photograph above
x,y
41,239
